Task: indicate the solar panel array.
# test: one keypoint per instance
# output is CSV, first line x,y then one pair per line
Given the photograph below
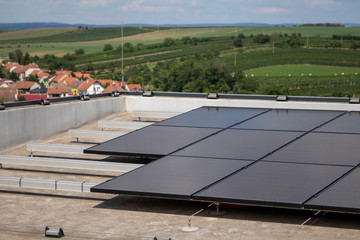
x,y
269,157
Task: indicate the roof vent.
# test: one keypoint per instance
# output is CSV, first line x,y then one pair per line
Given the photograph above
x,y
281,98
354,100
44,102
148,94
84,97
115,93
212,96
54,232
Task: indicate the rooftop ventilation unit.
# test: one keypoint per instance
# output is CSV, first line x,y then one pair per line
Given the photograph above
x,y
354,100
115,93
54,232
84,97
148,94
44,102
212,96
281,98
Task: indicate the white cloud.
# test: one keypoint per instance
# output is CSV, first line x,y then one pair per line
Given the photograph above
x,y
325,3
95,3
271,10
156,5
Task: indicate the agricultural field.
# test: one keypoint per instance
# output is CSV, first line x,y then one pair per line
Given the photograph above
x,y
302,70
60,41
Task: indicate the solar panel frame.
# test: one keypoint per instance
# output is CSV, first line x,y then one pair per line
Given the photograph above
x,y
213,117
139,143
337,196
348,123
239,144
265,184
171,177
321,148
289,120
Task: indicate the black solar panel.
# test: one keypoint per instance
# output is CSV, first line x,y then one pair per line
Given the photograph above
x,y
212,117
274,184
343,196
348,123
239,144
289,120
284,158
152,141
171,177
321,148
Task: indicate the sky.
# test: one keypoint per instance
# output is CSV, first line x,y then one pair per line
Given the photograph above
x,y
180,11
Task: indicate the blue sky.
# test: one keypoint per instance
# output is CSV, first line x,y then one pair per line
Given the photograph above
x,y
180,11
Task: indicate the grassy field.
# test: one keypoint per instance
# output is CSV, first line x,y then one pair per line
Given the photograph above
x,y
303,70
62,41
33,33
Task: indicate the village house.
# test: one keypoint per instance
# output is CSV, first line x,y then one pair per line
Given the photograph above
x,y
90,87
133,87
61,91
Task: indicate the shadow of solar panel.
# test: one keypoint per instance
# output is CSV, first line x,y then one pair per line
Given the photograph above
x,y
171,177
152,141
321,148
239,144
348,123
289,120
273,184
212,117
343,196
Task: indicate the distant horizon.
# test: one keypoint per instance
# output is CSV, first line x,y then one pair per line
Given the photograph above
x,y
37,25
183,12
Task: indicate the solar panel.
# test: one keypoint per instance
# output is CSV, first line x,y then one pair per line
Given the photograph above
x,y
152,141
289,120
343,196
274,184
171,177
239,144
212,117
348,123
321,148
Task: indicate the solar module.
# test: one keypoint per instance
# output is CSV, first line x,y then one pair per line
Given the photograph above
x,y
239,144
152,141
274,184
348,123
321,148
212,117
278,157
343,196
289,120
171,177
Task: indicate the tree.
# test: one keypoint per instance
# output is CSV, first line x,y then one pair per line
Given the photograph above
x,y
21,98
261,38
168,42
238,42
33,78
107,47
80,51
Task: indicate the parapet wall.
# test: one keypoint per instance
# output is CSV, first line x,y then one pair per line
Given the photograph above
x,y
28,123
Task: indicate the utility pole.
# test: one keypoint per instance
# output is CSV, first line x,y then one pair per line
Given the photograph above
x,y
122,55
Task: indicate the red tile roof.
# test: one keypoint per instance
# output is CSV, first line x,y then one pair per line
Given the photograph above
x,y
35,72
20,70
23,84
42,74
75,84
57,90
9,65
68,80
86,84
113,87
59,78
134,86
33,65
63,72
